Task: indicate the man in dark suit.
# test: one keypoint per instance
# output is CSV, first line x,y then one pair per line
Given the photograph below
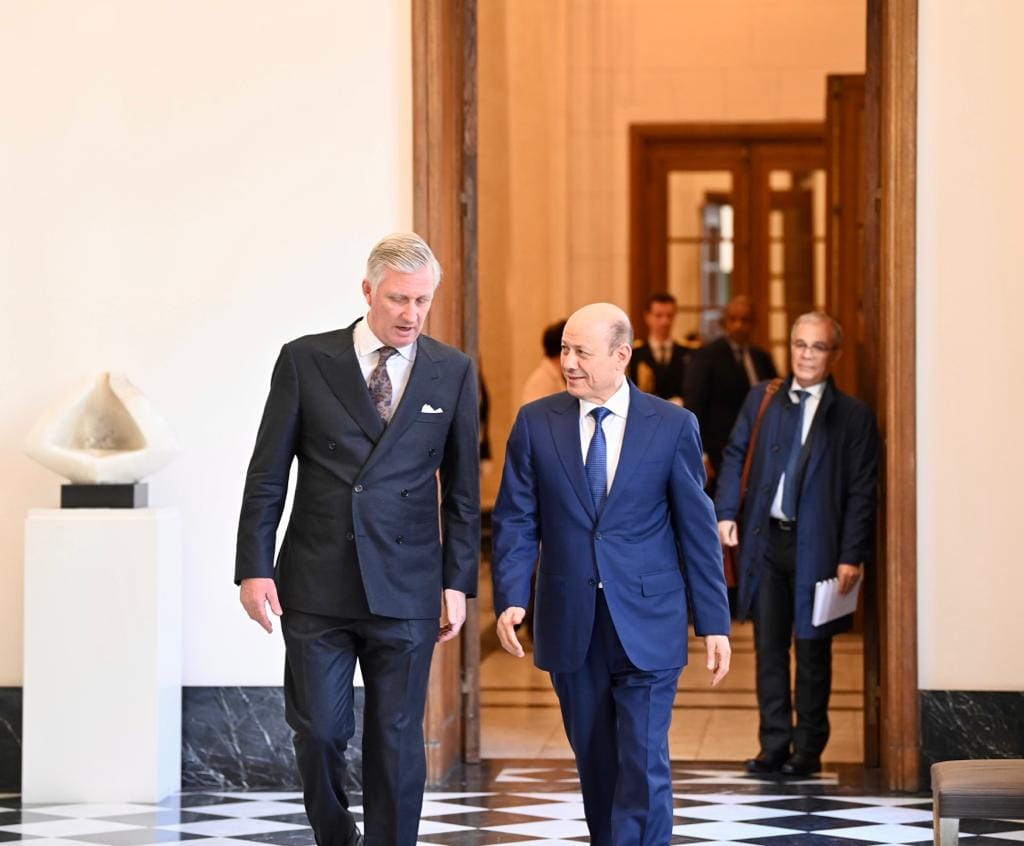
x,y
658,365
374,413
809,515
607,481
719,377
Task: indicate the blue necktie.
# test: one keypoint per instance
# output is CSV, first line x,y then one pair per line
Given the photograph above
x,y
789,491
597,459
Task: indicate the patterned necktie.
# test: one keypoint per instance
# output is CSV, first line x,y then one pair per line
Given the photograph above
x,y
789,491
597,459
380,383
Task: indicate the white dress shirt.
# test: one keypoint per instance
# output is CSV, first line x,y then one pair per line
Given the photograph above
x,y
399,366
810,409
614,427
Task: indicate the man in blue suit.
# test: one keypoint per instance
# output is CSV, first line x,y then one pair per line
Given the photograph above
x,y
809,515
609,483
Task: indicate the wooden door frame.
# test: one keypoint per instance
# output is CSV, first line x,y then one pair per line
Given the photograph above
x,y
444,50
444,214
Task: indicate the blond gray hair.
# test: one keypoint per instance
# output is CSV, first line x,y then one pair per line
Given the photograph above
x,y
405,252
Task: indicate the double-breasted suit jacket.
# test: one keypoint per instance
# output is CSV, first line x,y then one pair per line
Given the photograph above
x,y
365,536
653,547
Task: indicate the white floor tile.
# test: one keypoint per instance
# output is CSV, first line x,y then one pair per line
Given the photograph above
x,y
547,843
57,841
885,814
549,810
90,810
438,827
439,809
441,797
230,827
67,828
250,810
548,829
729,831
1008,835
883,833
881,800
554,797
733,798
265,795
731,813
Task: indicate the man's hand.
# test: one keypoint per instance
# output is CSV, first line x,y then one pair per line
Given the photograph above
x,y
507,622
849,575
719,654
455,611
254,595
728,533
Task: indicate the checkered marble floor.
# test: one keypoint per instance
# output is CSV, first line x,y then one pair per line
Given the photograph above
x,y
514,802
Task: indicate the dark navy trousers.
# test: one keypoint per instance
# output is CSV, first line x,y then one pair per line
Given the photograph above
x,y
617,717
394,657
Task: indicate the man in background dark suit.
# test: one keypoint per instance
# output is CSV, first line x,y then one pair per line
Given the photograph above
x,y
607,483
658,365
719,377
809,515
375,413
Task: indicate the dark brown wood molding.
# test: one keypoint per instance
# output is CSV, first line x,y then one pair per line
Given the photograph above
x,y
897,212
439,216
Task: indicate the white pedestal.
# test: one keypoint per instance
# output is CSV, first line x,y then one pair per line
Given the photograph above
x,y
102,697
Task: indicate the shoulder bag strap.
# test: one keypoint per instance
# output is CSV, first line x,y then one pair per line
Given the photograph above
x,y
770,391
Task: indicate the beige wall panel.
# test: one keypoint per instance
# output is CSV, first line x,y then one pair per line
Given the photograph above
x,y
969,307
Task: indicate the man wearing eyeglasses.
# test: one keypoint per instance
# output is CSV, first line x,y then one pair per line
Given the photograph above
x,y
809,514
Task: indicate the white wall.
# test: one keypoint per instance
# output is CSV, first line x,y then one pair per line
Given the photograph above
x,y
185,185
970,283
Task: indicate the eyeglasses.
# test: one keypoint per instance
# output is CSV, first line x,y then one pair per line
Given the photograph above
x,y
816,349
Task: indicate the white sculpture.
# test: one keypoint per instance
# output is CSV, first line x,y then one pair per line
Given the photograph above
x,y
105,433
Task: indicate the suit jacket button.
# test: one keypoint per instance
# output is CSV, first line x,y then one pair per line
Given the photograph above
x,y
400,539
405,492
358,488
591,582
757,530
431,451
597,536
776,447
349,536
331,444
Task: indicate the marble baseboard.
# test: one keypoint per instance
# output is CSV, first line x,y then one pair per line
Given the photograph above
x,y
236,737
232,737
959,724
10,739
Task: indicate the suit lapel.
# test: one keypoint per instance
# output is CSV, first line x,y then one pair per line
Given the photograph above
x,y
340,368
426,370
564,420
818,435
641,422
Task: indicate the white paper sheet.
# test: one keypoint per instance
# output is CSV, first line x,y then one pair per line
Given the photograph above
x,y
830,604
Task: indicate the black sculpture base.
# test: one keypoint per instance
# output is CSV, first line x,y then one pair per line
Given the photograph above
x,y
104,496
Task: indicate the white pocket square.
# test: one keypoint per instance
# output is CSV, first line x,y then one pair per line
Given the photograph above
x,y
429,409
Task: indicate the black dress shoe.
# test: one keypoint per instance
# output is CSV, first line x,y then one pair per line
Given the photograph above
x,y
801,765
764,764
